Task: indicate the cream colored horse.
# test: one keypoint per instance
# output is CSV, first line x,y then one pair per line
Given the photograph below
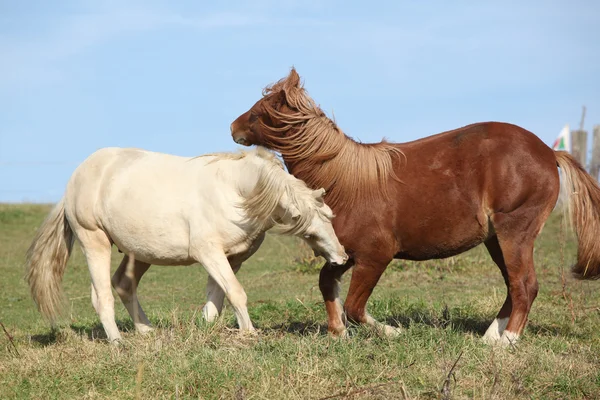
x,y
169,210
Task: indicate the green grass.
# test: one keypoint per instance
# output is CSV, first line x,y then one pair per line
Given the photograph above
x,y
443,306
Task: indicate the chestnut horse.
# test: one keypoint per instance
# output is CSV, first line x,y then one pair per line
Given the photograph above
x,y
491,183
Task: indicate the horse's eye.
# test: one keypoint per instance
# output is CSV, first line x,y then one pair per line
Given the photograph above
x,y
309,237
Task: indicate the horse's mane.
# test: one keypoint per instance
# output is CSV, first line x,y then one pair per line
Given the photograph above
x,y
273,183
238,155
318,152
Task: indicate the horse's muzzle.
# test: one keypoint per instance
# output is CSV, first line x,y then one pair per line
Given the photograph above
x,y
241,140
238,136
338,264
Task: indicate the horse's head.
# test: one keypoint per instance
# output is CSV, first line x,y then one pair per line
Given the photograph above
x,y
317,231
266,120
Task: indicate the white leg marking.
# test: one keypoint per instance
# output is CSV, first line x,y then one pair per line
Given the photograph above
x,y
210,312
387,330
143,328
494,332
509,338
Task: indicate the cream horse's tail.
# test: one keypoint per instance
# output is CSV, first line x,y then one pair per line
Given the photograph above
x,y
46,262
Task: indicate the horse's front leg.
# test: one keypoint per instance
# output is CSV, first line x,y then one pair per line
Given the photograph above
x,y
215,296
365,276
329,283
216,264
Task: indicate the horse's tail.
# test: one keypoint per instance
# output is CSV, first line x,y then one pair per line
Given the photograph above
x,y
46,262
582,195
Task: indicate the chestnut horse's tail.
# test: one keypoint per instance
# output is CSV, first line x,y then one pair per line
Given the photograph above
x,y
582,195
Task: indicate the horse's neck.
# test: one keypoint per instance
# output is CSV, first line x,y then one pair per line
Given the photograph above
x,y
251,171
297,168
318,152
315,164
347,170
272,192
248,175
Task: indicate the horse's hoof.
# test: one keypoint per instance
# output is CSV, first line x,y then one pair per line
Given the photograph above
x,y
508,339
144,329
492,341
338,333
248,332
391,331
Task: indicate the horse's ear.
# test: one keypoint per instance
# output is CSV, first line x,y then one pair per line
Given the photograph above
x,y
290,209
318,194
293,80
294,213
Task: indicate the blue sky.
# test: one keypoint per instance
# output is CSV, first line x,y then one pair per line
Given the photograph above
x,y
76,76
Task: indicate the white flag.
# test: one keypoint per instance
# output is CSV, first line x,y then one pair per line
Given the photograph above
x,y
563,141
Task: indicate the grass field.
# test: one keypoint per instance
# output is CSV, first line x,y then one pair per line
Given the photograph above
x,y
443,306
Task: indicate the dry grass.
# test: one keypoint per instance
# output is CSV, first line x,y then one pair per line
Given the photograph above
x,y
444,307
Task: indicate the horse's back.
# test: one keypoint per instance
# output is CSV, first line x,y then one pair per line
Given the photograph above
x,y
479,157
502,164
147,202
471,137
84,186
119,169
454,182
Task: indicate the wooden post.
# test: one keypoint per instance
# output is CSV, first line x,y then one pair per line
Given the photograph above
x,y
595,162
582,118
579,143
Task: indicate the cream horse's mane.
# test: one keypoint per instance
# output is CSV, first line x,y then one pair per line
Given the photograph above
x,y
258,151
274,183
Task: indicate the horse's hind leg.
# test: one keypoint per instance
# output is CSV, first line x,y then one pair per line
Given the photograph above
x,y
519,265
516,235
215,297
494,332
126,287
216,264
96,247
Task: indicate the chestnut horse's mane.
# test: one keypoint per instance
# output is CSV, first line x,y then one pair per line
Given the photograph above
x,y
320,153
